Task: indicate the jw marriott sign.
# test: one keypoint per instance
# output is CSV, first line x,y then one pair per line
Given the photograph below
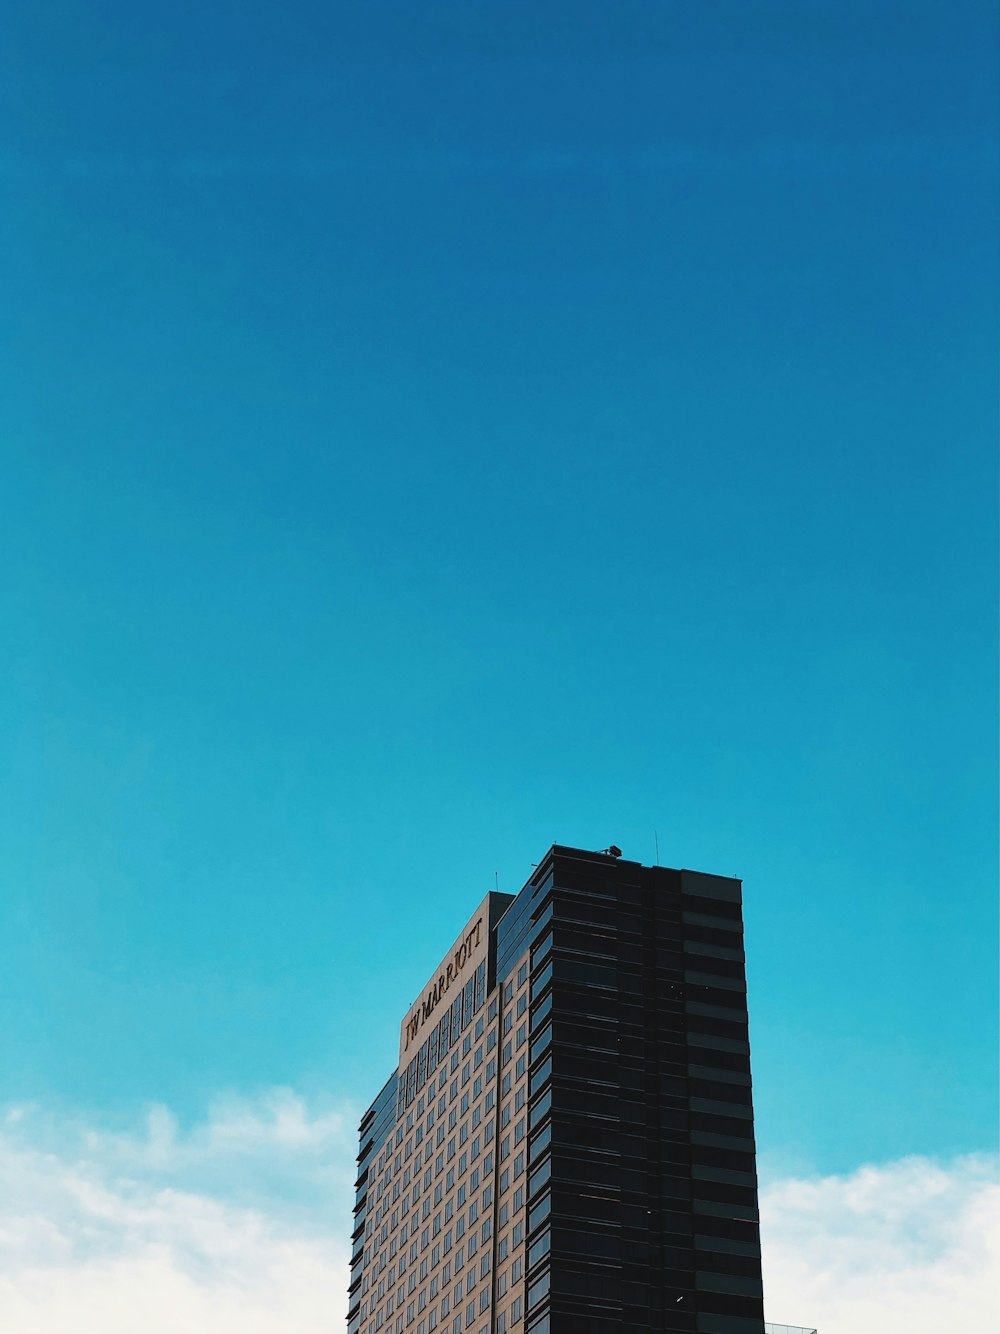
x,y
458,965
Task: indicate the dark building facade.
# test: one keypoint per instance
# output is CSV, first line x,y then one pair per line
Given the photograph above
x,y
566,1145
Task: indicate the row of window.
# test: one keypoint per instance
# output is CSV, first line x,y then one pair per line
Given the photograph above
x,y
442,1037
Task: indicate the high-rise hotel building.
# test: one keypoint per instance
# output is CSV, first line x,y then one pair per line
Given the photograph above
x,y
566,1145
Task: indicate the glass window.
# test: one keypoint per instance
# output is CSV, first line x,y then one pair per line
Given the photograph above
x,y
539,1176
545,944
540,1142
540,1075
541,980
539,1247
539,1211
540,1109
538,1290
539,1043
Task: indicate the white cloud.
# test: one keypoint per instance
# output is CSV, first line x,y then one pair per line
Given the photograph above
x,y
239,1225
909,1247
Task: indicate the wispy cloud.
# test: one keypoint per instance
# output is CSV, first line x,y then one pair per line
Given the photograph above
x,y
237,1225
909,1247
240,1223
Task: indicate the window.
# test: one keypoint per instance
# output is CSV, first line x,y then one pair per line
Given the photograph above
x,y
539,1248
540,1176
540,1042
539,1211
538,1290
541,979
540,1109
541,1074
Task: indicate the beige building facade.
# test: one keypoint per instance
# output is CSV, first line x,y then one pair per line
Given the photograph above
x,y
444,1233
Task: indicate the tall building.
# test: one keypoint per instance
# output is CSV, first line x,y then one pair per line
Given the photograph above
x,y
566,1145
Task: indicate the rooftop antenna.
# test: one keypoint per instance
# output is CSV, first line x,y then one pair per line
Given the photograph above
x,y
496,877
656,840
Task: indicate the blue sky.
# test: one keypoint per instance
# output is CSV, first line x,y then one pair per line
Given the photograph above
x,y
433,431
